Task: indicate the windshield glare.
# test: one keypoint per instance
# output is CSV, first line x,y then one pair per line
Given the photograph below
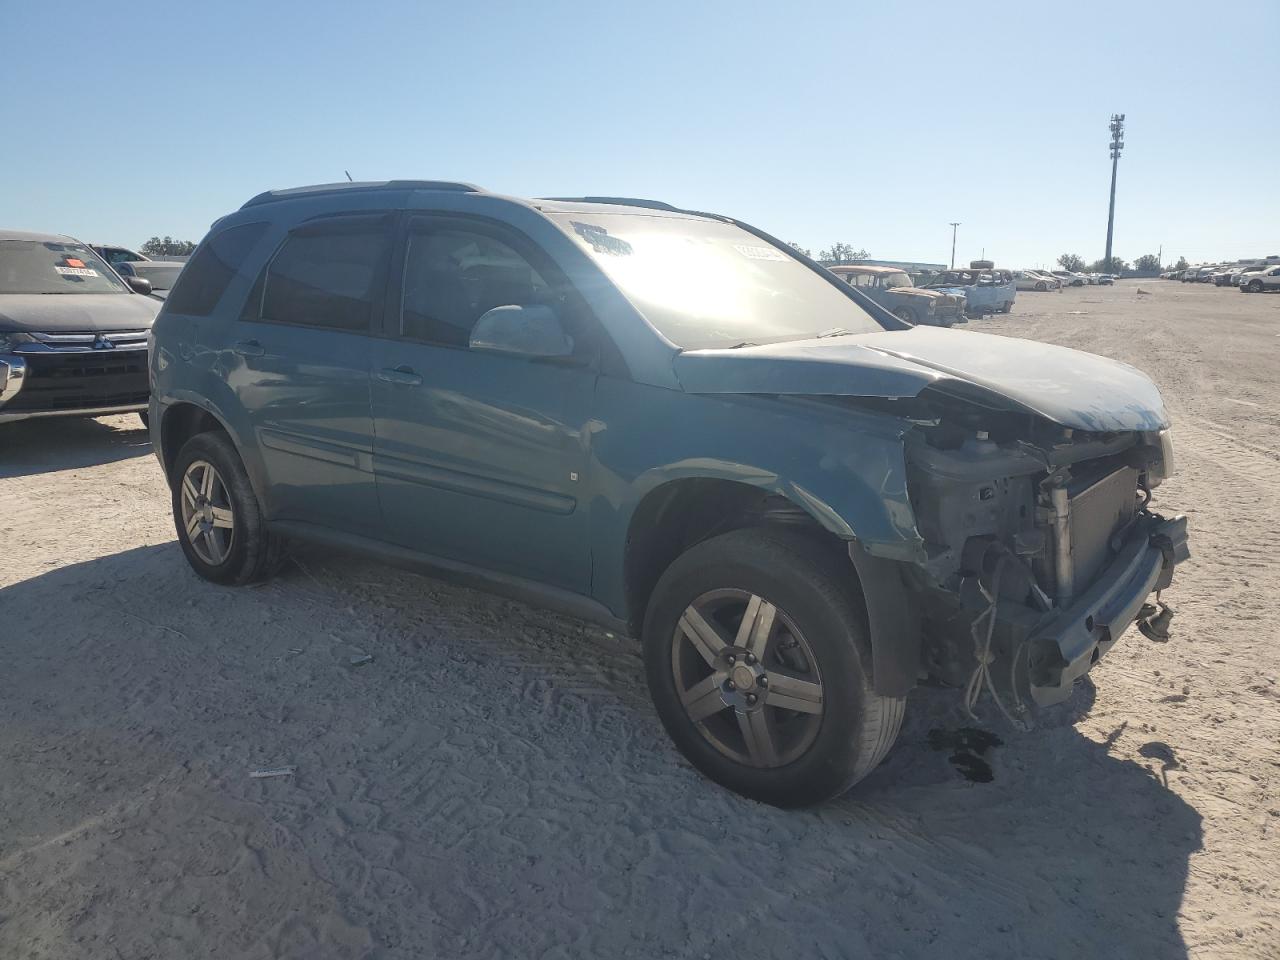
x,y
704,283
45,266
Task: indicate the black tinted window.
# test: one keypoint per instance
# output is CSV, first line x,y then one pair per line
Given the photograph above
x,y
452,276
204,279
327,277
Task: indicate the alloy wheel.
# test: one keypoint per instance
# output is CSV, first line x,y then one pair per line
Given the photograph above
x,y
747,678
207,515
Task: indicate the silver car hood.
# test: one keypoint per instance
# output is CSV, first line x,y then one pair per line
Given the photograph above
x,y
1071,388
71,312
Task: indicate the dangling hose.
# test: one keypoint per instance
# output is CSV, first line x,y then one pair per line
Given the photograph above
x,y
982,635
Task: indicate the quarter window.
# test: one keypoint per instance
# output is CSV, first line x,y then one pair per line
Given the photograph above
x,y
327,276
207,275
453,276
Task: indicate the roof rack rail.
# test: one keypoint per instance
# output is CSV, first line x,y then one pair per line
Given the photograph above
x,y
620,201
319,189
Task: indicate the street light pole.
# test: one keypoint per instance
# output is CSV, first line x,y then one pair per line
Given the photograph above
x,y
954,224
1117,144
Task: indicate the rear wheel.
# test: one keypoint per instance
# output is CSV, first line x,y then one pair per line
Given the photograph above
x,y
758,661
907,314
219,521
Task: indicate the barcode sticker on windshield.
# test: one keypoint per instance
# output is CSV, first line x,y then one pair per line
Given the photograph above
x,y
758,253
76,271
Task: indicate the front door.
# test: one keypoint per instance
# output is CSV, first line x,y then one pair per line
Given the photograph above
x,y
300,367
480,458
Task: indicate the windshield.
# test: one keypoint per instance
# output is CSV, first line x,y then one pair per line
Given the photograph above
x,y
704,283
46,266
896,280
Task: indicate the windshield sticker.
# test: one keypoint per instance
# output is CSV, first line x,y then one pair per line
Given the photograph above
x,y
600,240
759,253
76,271
73,262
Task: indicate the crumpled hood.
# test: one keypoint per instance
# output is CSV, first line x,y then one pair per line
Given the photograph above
x,y
1070,387
73,312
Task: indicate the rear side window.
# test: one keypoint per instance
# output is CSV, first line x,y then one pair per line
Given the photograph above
x,y
328,275
205,278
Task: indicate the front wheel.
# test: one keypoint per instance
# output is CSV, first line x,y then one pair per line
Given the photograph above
x,y
758,662
1255,286
1042,287
907,314
220,524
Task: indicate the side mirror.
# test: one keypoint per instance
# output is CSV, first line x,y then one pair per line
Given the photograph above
x,y
522,331
138,284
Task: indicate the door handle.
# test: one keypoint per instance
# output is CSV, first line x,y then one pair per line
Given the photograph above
x,y
249,348
403,374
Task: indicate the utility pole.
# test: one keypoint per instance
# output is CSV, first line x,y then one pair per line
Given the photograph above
x,y
1117,144
954,224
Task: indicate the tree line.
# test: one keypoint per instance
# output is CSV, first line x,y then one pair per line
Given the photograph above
x,y
1147,263
167,247
836,253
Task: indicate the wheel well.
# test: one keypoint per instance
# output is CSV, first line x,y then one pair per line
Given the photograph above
x,y
182,421
675,516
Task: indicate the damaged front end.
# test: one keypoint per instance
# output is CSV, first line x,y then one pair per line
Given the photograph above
x,y
1040,546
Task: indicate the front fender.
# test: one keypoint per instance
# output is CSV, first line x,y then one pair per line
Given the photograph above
x,y
846,468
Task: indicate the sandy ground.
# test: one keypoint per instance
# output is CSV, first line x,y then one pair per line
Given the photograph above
x,y
494,782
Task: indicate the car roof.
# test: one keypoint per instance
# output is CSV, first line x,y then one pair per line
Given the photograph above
x,y
42,237
859,268
628,205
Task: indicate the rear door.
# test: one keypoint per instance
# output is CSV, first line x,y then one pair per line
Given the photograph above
x,y
299,365
481,458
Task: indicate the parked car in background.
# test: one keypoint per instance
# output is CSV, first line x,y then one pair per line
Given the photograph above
x,y
1256,281
1068,278
985,288
162,274
892,289
116,255
73,334
673,424
1030,280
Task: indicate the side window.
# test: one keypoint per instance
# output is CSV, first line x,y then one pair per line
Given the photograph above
x,y
327,275
206,276
454,275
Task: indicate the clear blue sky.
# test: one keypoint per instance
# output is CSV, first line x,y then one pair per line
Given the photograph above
x,y
818,122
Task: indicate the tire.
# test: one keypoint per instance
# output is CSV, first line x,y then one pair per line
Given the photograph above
x,y
818,632
1255,286
907,314
1042,287
233,547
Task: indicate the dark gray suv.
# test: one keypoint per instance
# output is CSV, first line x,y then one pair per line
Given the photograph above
x,y
73,334
672,424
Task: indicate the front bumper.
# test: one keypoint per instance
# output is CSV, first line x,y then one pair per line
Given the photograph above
x,y
1064,648
72,384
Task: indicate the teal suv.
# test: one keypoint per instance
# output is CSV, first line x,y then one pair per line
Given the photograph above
x,y
672,424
